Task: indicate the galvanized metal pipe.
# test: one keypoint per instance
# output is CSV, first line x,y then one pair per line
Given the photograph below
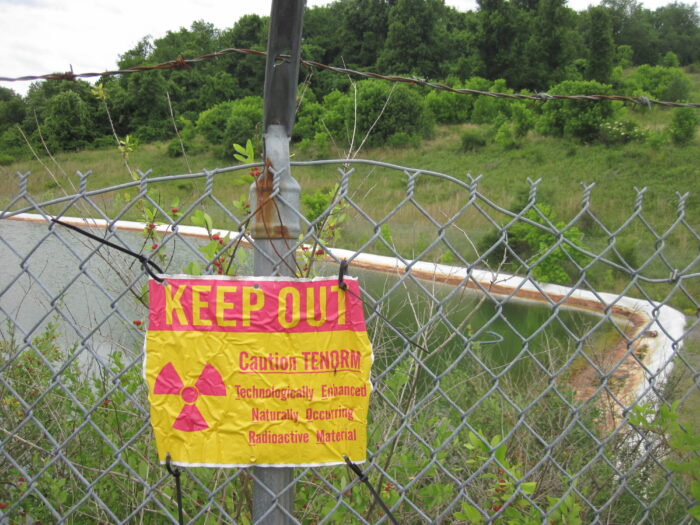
x,y
275,226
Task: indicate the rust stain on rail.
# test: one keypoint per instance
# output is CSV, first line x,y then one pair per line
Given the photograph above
x,y
621,363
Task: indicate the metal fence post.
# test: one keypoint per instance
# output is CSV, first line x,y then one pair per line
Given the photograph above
x,y
275,226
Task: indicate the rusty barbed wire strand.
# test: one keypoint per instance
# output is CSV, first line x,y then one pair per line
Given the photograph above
x,y
185,63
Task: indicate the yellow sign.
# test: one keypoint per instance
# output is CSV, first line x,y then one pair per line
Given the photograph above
x,y
256,371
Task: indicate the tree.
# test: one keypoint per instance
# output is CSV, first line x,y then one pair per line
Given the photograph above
x,y
415,41
12,109
323,28
550,46
678,28
632,26
600,44
147,105
364,30
138,55
249,31
68,124
501,36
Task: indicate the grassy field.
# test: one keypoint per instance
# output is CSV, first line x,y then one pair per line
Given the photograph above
x,y
562,165
652,241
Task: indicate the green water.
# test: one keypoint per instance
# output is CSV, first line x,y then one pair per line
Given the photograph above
x,y
512,339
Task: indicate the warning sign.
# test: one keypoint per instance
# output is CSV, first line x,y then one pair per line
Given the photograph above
x,y
257,371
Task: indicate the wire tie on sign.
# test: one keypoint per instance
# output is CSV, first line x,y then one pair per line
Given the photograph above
x,y
364,479
175,472
341,274
145,262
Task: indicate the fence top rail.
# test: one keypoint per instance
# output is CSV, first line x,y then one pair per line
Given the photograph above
x,y
144,178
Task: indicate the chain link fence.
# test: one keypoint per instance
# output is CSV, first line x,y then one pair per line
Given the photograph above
x,y
497,399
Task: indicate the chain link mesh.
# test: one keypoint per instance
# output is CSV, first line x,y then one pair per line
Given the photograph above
x,y
497,398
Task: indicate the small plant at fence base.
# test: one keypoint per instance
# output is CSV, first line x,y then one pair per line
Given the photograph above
x,y
114,451
508,495
680,443
327,222
221,252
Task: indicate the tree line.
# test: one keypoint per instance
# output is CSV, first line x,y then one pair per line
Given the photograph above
x,y
535,45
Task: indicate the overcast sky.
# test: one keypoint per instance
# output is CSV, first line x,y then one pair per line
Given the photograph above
x,y
44,36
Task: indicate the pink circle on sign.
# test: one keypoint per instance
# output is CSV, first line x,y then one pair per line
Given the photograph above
x,y
189,394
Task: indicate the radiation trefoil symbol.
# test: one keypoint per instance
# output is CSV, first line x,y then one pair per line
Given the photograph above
x,y
209,383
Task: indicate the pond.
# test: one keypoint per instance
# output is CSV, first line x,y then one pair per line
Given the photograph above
x,y
94,297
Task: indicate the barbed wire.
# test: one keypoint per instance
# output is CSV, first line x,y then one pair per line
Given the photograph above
x,y
185,63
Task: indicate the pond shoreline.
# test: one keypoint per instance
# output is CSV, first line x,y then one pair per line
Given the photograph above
x,y
652,332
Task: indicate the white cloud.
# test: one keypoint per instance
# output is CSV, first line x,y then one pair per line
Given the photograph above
x,y
45,36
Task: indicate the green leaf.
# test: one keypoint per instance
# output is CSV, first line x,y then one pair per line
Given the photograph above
x,y
246,154
681,467
469,513
695,490
202,219
500,454
192,269
528,487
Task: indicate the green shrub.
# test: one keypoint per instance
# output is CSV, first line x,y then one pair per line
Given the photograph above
x,y
404,112
68,124
623,56
103,142
174,149
506,137
403,140
449,108
148,133
322,144
231,123
523,119
212,122
6,160
473,139
489,109
383,109
580,119
620,132
683,124
665,83
656,139
308,121
336,106
670,59
530,242
11,141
